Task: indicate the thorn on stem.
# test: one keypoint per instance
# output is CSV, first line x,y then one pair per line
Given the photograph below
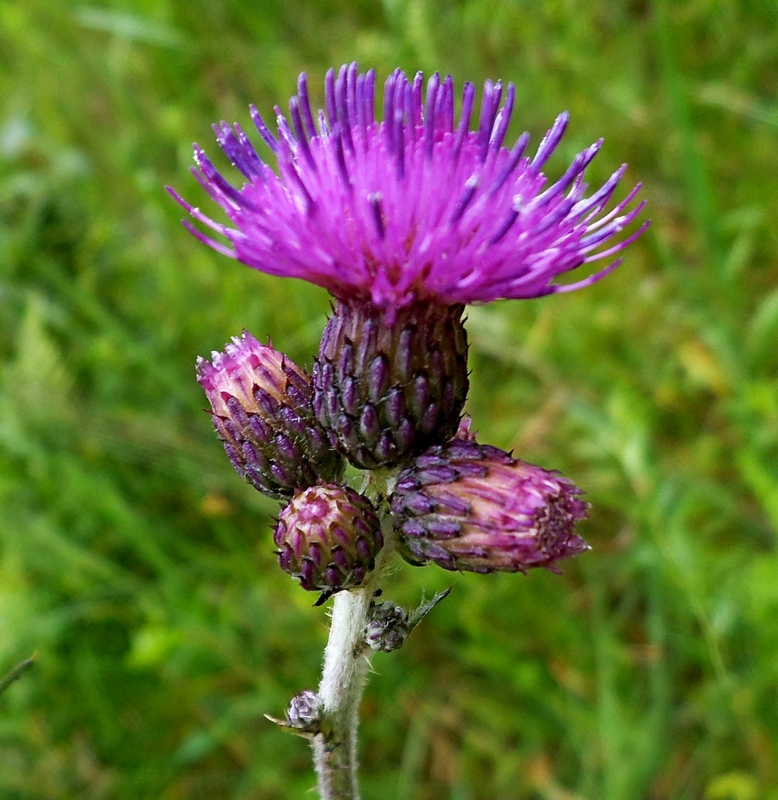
x,y
17,672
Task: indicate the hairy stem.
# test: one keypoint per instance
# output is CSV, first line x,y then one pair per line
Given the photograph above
x,y
345,670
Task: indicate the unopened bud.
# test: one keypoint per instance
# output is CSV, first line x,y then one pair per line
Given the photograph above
x,y
262,410
305,712
388,627
473,507
328,538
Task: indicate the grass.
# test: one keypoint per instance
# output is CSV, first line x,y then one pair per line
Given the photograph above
x,y
139,567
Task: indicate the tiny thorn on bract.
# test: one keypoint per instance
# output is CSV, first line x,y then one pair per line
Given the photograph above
x,y
289,728
418,615
323,598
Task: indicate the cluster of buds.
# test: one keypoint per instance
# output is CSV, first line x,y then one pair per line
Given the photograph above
x,y
404,221
458,504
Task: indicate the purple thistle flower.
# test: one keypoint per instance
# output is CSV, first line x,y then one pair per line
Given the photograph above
x,y
416,207
467,506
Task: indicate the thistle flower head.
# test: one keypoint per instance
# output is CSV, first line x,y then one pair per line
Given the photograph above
x,y
423,205
262,409
467,506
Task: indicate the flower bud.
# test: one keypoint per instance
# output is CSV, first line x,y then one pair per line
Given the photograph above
x,y
388,627
262,410
387,385
474,507
305,712
328,537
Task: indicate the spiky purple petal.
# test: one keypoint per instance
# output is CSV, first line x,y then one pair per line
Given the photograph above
x,y
417,207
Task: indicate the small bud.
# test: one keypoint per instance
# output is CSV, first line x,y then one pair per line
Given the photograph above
x,y
305,712
388,628
474,507
304,716
387,386
328,538
262,410
390,625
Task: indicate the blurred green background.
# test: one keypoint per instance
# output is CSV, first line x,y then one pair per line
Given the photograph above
x,y
139,567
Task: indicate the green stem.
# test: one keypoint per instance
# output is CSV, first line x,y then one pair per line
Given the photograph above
x,y
345,669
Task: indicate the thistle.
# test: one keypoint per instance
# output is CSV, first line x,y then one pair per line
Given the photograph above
x,y
305,712
388,627
467,506
404,220
261,406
